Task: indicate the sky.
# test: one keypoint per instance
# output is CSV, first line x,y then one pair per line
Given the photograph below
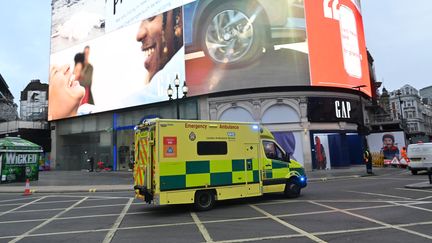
x,y
398,35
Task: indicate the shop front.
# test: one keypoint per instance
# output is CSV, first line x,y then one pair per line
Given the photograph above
x,y
334,140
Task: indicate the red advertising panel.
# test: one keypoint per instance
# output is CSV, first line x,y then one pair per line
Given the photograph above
x,y
337,49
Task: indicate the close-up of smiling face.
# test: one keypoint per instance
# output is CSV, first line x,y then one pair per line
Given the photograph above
x,y
150,34
161,37
65,93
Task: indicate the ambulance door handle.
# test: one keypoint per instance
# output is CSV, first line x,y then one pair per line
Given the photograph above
x,y
268,165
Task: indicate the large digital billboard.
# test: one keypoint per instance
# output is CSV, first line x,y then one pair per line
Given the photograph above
x,y
114,54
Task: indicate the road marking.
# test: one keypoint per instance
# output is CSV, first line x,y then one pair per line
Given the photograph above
x,y
382,195
201,227
412,189
85,207
423,198
12,210
411,206
330,200
237,240
393,179
65,201
17,199
46,222
62,201
72,217
298,230
110,235
375,221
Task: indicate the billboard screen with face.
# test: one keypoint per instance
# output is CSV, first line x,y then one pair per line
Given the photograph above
x,y
389,144
108,55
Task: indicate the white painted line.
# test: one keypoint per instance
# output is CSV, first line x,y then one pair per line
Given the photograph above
x,y
58,233
351,230
393,179
411,206
37,203
201,227
415,190
100,230
375,221
24,205
110,235
415,224
61,201
67,218
85,207
298,230
46,222
18,199
262,238
330,200
381,195
423,198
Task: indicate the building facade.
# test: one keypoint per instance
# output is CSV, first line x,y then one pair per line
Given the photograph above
x,y
242,60
34,101
406,105
426,95
8,109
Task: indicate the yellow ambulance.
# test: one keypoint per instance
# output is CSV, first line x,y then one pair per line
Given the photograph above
x,y
199,162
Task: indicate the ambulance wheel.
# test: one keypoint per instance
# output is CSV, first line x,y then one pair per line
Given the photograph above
x,y
204,200
292,189
414,172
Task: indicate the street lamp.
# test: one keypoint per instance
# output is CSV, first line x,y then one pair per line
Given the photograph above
x,y
361,124
398,94
170,92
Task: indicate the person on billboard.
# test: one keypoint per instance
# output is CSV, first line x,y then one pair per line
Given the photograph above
x,y
161,39
86,78
65,93
79,65
389,150
320,154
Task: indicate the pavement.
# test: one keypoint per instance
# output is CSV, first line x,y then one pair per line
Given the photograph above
x,y
83,181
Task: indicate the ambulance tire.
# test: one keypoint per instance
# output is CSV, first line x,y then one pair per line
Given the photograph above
x,y
292,189
414,172
204,200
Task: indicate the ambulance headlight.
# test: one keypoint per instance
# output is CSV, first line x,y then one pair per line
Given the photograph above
x,y
302,178
255,127
135,128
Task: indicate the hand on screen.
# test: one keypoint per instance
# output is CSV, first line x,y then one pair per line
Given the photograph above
x,y
65,93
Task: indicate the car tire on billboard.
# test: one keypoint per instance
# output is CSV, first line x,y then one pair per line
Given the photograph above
x,y
233,34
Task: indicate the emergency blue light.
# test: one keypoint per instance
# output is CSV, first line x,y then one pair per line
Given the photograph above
x,y
255,127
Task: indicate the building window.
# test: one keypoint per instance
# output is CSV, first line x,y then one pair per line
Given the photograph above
x,y
212,148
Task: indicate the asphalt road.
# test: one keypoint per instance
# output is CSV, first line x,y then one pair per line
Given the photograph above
x,y
367,209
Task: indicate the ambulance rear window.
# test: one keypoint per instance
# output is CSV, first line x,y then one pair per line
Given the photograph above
x,y
212,148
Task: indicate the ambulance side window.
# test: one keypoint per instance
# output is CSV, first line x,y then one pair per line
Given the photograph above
x,y
212,148
272,151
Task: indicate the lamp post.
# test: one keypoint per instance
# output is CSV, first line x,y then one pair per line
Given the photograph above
x,y
362,132
185,89
361,124
398,94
